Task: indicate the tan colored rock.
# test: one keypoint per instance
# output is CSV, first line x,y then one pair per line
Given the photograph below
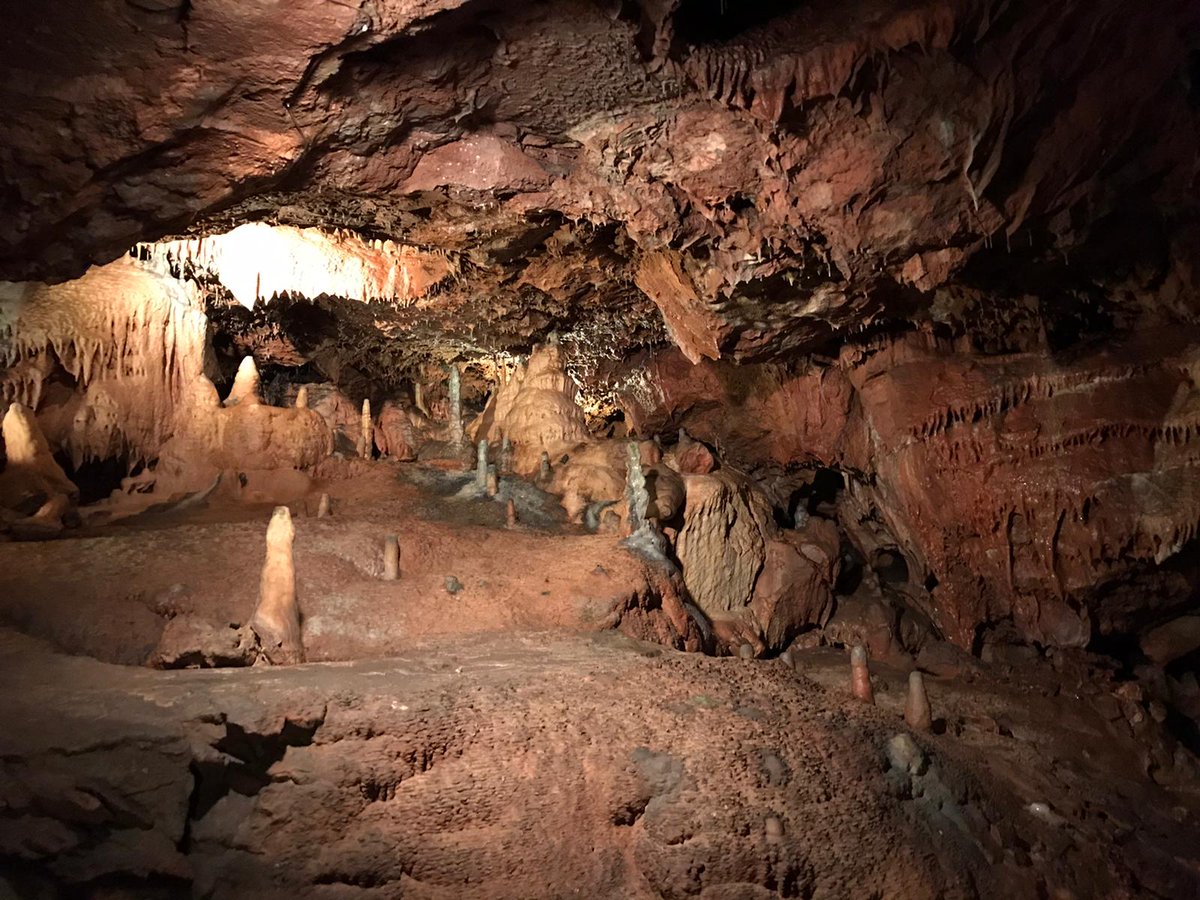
x,y
722,545
366,434
391,558
916,704
276,620
395,435
536,409
31,475
246,384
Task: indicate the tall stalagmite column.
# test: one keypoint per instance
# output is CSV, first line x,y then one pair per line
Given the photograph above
x,y
366,439
636,497
456,425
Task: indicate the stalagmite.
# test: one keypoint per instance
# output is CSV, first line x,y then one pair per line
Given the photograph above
x,y
302,397
276,621
245,384
510,510
544,467
456,423
746,651
481,465
916,705
323,510
492,485
860,675
636,497
391,558
366,437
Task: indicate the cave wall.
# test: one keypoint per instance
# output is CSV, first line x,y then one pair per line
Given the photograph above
x,y
105,360
113,366
1016,485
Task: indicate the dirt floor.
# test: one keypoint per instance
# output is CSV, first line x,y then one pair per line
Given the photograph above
x,y
504,741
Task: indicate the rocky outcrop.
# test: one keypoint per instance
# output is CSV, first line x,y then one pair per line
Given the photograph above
x,y
755,582
395,433
31,477
1017,488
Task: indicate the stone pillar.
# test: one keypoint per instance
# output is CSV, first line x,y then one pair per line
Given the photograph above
x,y
366,439
276,620
456,424
481,465
636,497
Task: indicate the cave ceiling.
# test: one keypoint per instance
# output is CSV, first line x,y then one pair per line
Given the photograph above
x,y
748,181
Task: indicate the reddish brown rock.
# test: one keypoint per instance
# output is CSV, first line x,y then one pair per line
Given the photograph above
x,y
394,433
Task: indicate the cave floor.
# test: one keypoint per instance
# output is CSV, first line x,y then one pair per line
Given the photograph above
x,y
551,765
503,741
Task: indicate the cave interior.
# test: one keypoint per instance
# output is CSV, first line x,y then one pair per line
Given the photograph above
x,y
644,448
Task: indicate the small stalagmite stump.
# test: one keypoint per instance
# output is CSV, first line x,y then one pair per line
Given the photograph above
x,y
786,658
391,558
860,675
493,482
746,651
276,620
302,397
323,509
544,467
916,706
510,510
774,830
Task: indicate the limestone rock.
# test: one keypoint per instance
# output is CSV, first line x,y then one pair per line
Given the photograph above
x,y
536,409
394,433
31,477
722,546
795,588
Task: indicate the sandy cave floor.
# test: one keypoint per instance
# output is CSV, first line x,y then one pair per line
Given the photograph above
x,y
498,742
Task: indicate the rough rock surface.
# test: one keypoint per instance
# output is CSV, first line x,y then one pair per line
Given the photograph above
x,y
1017,487
431,776
756,582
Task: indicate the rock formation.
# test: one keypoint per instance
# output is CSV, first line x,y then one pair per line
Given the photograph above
x,y
395,435
536,409
31,478
276,619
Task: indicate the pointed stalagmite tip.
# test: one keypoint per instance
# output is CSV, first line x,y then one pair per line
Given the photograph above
x,y
302,397
510,510
860,675
245,384
323,508
916,706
